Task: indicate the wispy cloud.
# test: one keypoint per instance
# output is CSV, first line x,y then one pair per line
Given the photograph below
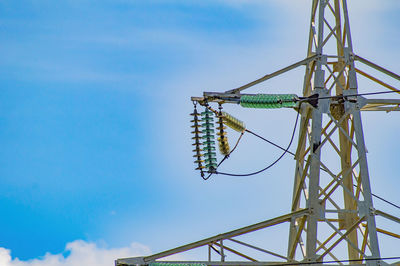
x,y
78,253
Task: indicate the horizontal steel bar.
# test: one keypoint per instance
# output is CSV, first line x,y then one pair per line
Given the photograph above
x,y
386,232
388,216
235,252
237,232
377,67
387,105
376,80
383,101
259,249
237,263
383,109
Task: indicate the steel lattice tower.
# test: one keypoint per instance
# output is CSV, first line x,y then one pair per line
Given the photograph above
x,y
332,213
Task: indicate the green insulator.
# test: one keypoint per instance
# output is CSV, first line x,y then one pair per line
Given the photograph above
x,y
208,131
208,139
209,153
269,101
211,166
208,145
207,118
206,112
208,124
209,148
210,160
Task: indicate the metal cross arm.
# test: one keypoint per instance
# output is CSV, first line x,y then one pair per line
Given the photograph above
x,y
257,100
387,105
217,240
274,74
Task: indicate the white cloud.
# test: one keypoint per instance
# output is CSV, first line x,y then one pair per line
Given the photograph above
x,y
78,252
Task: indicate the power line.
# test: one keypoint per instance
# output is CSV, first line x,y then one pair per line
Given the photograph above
x,y
276,145
272,164
315,99
388,202
285,151
226,156
359,94
270,142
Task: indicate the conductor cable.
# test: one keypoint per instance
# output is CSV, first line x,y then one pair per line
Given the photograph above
x,y
273,163
226,156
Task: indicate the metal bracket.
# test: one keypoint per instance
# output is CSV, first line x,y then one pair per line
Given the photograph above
x,y
362,209
130,261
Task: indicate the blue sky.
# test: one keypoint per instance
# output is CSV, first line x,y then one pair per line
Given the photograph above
x,y
94,124
82,89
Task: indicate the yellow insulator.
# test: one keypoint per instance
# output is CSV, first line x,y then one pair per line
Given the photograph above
x,y
221,132
196,131
224,145
233,122
221,127
223,142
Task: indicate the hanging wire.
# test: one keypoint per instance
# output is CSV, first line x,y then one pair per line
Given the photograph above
x,y
272,164
226,156
287,149
384,200
307,99
280,147
270,142
360,94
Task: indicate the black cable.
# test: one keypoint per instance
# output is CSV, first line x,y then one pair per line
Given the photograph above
x,y
280,147
306,99
287,151
270,142
276,145
226,156
388,202
272,164
359,94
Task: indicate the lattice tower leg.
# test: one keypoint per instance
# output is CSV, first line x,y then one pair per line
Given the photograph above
x,y
336,126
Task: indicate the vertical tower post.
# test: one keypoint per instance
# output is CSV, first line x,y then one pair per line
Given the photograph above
x,y
335,190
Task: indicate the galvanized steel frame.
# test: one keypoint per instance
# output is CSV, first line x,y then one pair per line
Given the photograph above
x,y
332,212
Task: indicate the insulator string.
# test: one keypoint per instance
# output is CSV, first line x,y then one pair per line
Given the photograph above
x,y
222,138
273,163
